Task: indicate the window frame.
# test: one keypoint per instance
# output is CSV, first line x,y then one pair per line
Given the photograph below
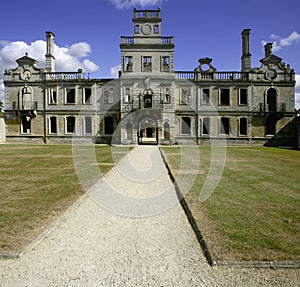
x,y
182,126
221,95
50,125
203,96
52,94
74,126
89,101
67,90
222,128
90,125
240,97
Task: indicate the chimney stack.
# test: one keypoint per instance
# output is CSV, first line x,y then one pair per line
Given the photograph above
x,y
246,56
50,60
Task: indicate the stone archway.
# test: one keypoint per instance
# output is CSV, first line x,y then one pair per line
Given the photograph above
x,y
147,131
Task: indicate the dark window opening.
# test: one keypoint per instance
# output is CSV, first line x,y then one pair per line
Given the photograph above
x,y
70,96
224,97
108,125
53,125
271,100
243,126
205,126
205,96
186,126
70,124
156,29
88,125
147,101
26,124
224,128
87,95
243,97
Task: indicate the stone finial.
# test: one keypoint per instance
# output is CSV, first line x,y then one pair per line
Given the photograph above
x,y
268,49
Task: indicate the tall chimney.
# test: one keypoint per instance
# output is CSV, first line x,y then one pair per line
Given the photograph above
x,y
50,60
246,56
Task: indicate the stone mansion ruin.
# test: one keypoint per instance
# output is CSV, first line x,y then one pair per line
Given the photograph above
x,y
149,102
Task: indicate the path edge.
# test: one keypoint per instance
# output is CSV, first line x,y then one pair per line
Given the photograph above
x,y
209,258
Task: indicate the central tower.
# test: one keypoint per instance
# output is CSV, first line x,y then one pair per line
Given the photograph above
x,y
147,51
146,81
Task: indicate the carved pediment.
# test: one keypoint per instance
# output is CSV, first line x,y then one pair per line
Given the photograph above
x,y
205,66
271,59
26,61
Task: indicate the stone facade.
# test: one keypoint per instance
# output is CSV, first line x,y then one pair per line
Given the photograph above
x,y
150,102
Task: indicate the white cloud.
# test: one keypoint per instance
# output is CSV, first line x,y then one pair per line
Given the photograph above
x,y
114,71
69,58
280,43
125,4
80,50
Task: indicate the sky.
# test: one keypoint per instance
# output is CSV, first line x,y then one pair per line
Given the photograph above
x,y
88,33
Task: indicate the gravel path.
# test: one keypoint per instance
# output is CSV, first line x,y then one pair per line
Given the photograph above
x,y
94,246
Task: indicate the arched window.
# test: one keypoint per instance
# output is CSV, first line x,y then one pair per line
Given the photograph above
x,y
272,100
147,99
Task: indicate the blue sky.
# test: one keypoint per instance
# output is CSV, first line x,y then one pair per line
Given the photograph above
x,y
87,33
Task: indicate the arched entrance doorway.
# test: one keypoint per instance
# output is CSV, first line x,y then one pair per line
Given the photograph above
x,y
147,131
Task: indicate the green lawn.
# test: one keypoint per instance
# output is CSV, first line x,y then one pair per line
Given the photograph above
x,y
254,212
38,184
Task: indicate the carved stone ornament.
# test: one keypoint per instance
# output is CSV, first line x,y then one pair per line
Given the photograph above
x,y
271,74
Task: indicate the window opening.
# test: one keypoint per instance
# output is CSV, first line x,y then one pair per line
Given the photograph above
x,y
243,126
88,125
165,64
243,97
128,63
127,98
52,96
147,63
186,126
205,126
87,95
224,127
108,125
26,124
185,96
205,96
271,100
166,131
109,96
53,125
224,97
70,124
70,96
